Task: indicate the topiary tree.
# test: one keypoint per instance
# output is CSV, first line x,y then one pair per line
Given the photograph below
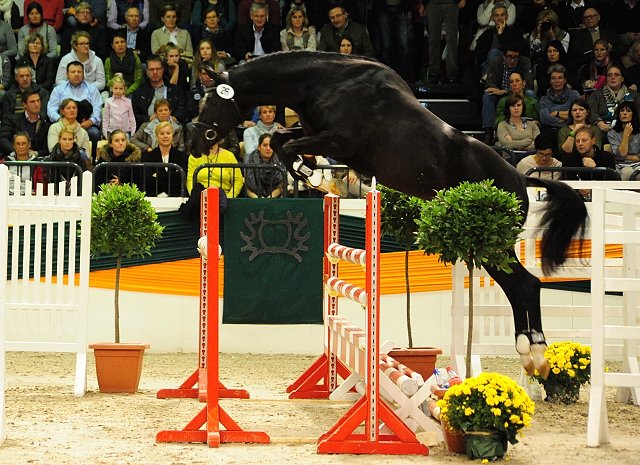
x,y
476,223
123,223
398,214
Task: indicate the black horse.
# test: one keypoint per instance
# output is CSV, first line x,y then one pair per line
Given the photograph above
x,y
363,114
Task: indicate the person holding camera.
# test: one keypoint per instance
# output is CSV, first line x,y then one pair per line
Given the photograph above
x,y
546,31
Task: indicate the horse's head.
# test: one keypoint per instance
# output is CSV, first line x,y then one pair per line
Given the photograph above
x,y
219,114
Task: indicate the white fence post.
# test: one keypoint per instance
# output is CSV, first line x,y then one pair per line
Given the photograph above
x,y
4,208
627,232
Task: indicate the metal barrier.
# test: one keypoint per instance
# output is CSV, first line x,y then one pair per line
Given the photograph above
x,y
506,153
52,172
285,192
361,192
241,166
608,174
138,175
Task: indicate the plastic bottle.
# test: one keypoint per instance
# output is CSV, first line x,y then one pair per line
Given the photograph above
x,y
453,377
442,380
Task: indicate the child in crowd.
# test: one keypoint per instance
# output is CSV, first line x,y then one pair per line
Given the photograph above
x,y
118,111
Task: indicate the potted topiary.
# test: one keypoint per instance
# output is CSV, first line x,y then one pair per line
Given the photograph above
x,y
123,223
476,223
398,214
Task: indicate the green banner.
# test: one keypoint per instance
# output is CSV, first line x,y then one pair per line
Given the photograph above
x,y
273,261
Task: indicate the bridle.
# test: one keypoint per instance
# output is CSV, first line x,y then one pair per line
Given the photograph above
x,y
225,91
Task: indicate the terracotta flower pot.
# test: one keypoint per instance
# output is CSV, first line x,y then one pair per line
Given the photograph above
x,y
118,366
420,359
453,439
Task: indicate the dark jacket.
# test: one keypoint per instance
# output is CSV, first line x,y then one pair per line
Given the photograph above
x,y
143,96
622,19
183,73
196,93
510,35
125,175
571,18
222,39
98,40
45,70
581,46
330,39
270,40
58,174
11,97
602,159
170,181
143,44
37,131
496,69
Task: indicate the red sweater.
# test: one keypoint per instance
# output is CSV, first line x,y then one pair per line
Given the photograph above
x,y
51,12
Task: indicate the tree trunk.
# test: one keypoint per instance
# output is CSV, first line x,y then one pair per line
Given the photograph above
x,y
117,298
470,334
406,276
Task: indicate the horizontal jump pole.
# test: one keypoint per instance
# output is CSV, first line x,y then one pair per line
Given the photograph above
x,y
351,291
348,254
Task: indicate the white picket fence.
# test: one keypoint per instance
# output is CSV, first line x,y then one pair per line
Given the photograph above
x,y
42,304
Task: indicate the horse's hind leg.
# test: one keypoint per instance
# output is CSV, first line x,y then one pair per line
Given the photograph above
x,y
523,292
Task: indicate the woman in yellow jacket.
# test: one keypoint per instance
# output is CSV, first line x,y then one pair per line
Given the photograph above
x,y
229,179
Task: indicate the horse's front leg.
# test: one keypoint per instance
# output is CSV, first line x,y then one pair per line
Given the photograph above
x,y
297,152
523,292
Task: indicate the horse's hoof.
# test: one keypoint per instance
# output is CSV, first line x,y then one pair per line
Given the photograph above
x,y
527,364
539,360
523,347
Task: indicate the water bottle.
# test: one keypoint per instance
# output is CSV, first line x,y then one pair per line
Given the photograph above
x,y
442,379
453,377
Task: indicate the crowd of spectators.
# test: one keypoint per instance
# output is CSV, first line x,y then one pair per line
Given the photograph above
x,y
104,70
561,70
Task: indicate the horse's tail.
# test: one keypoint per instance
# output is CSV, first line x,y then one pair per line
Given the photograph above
x,y
565,215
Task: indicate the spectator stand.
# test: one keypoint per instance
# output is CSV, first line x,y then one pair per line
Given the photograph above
x,y
32,297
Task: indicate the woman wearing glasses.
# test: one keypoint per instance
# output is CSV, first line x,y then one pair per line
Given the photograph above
x,y
35,56
604,101
93,66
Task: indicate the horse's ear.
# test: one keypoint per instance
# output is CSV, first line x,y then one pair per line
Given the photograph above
x,y
218,78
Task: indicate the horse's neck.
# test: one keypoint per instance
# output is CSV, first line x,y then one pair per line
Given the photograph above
x,y
269,84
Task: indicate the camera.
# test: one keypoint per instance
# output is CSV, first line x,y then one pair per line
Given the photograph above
x,y
546,26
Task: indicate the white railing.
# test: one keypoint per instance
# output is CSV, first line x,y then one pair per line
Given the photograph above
x,y
565,318
626,206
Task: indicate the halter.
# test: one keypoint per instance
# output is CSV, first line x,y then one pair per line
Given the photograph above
x,y
209,130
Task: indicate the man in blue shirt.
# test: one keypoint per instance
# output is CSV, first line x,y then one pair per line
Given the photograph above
x,y
87,97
